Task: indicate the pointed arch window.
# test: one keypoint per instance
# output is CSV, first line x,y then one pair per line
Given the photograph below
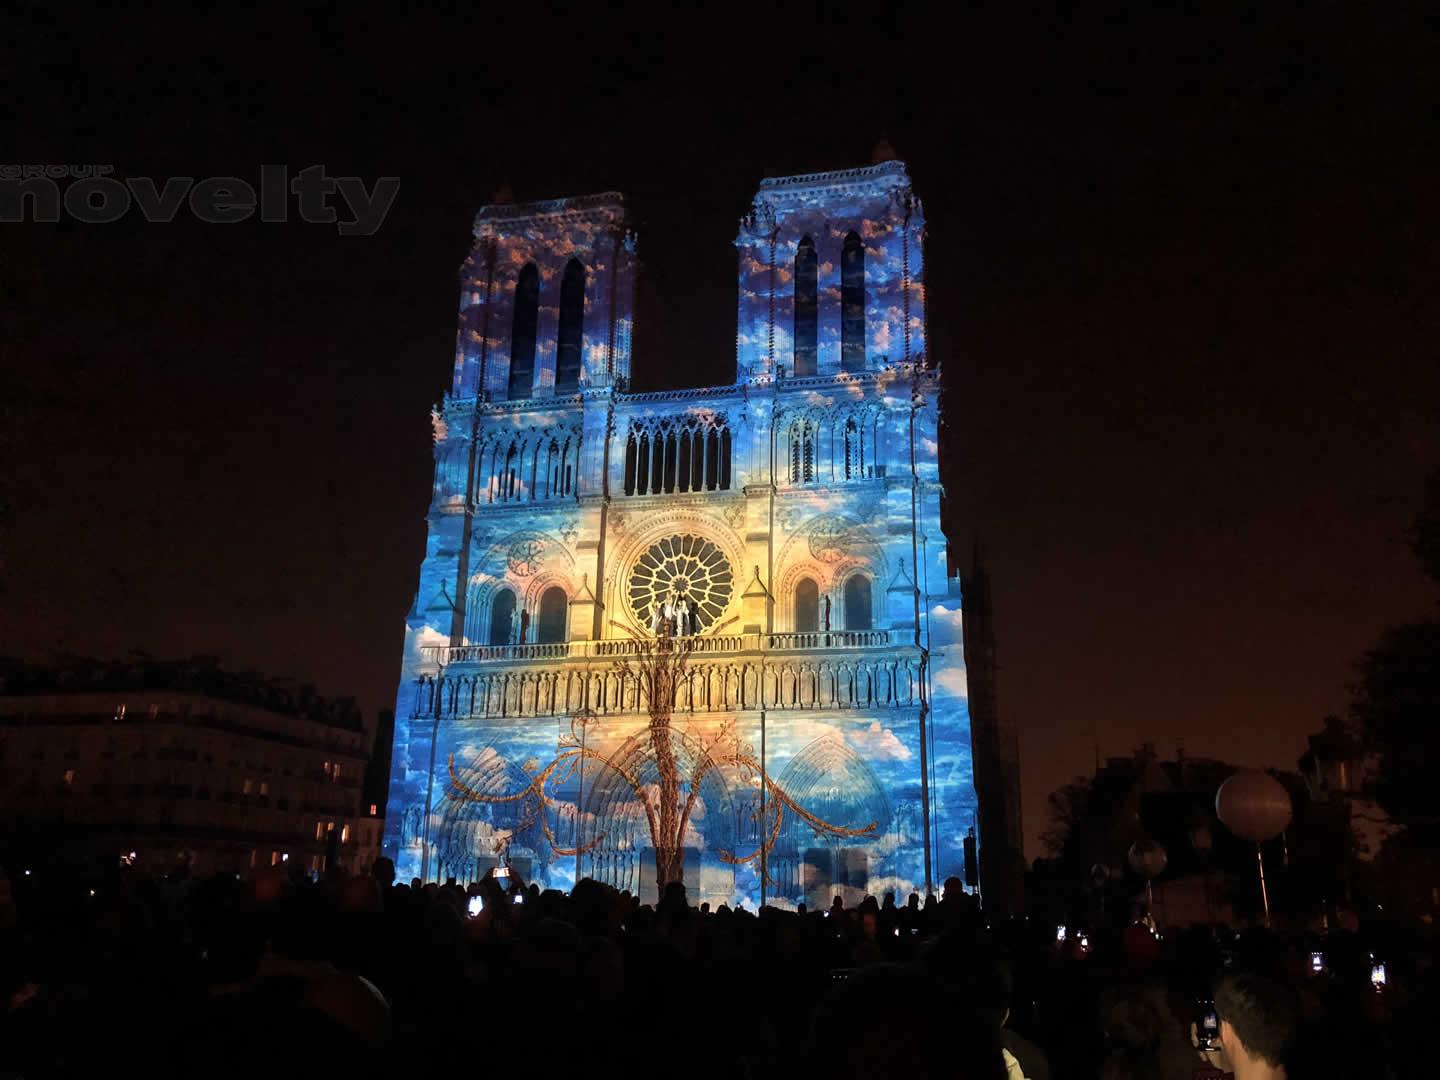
x,y
807,607
631,450
554,613
522,332
502,618
803,467
858,613
572,321
807,308
852,304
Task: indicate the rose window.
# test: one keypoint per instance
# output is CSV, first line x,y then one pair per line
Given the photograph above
x,y
682,566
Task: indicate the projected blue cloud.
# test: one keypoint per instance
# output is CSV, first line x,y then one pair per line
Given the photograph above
x,y
784,531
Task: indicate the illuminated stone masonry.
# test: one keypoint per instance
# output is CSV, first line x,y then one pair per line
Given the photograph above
x,y
705,634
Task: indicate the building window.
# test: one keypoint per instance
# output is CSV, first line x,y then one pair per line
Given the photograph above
x,y
528,468
327,768
857,603
69,777
345,834
523,331
319,830
264,787
807,308
502,618
247,787
554,614
831,449
119,712
807,607
802,452
335,772
852,304
274,858
690,453
675,567
572,321
374,809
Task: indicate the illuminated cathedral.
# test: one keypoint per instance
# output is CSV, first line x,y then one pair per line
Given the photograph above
x,y
774,545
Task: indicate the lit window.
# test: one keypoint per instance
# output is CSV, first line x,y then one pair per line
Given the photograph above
x,y
319,830
336,774
264,787
249,786
330,827
119,712
327,768
154,712
69,776
253,855
345,834
285,856
274,857
374,809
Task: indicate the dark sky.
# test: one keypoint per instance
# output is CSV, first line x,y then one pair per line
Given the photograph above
x,y
1182,282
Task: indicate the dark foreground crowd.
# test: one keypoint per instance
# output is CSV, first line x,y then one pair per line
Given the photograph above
x,y
360,976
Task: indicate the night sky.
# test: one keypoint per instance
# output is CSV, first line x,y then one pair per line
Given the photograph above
x,y
1182,281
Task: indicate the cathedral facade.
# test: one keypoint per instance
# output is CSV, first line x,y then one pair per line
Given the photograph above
x,y
709,630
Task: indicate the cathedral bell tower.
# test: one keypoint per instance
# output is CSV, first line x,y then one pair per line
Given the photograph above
x,y
831,275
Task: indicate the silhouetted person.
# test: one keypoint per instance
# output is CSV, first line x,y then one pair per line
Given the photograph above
x,y
1259,1021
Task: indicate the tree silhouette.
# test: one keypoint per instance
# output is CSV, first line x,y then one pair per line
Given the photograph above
x,y
1397,697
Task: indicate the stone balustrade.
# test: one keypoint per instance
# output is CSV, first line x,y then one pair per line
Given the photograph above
x,y
705,683
705,645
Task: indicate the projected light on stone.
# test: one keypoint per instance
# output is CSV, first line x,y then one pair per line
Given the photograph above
x,y
783,533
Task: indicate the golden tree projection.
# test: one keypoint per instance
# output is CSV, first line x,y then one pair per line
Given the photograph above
x,y
682,759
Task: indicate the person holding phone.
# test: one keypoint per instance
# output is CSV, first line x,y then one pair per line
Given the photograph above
x,y
1259,1022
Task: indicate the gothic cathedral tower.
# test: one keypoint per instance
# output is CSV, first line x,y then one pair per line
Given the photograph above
x,y
705,634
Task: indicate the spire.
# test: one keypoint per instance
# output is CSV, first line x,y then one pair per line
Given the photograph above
x,y
901,583
442,601
757,587
584,595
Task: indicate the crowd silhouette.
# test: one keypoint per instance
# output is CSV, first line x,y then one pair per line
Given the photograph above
x,y
364,976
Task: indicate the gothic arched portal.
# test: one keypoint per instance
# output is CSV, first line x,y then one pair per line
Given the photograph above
x,y
835,784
